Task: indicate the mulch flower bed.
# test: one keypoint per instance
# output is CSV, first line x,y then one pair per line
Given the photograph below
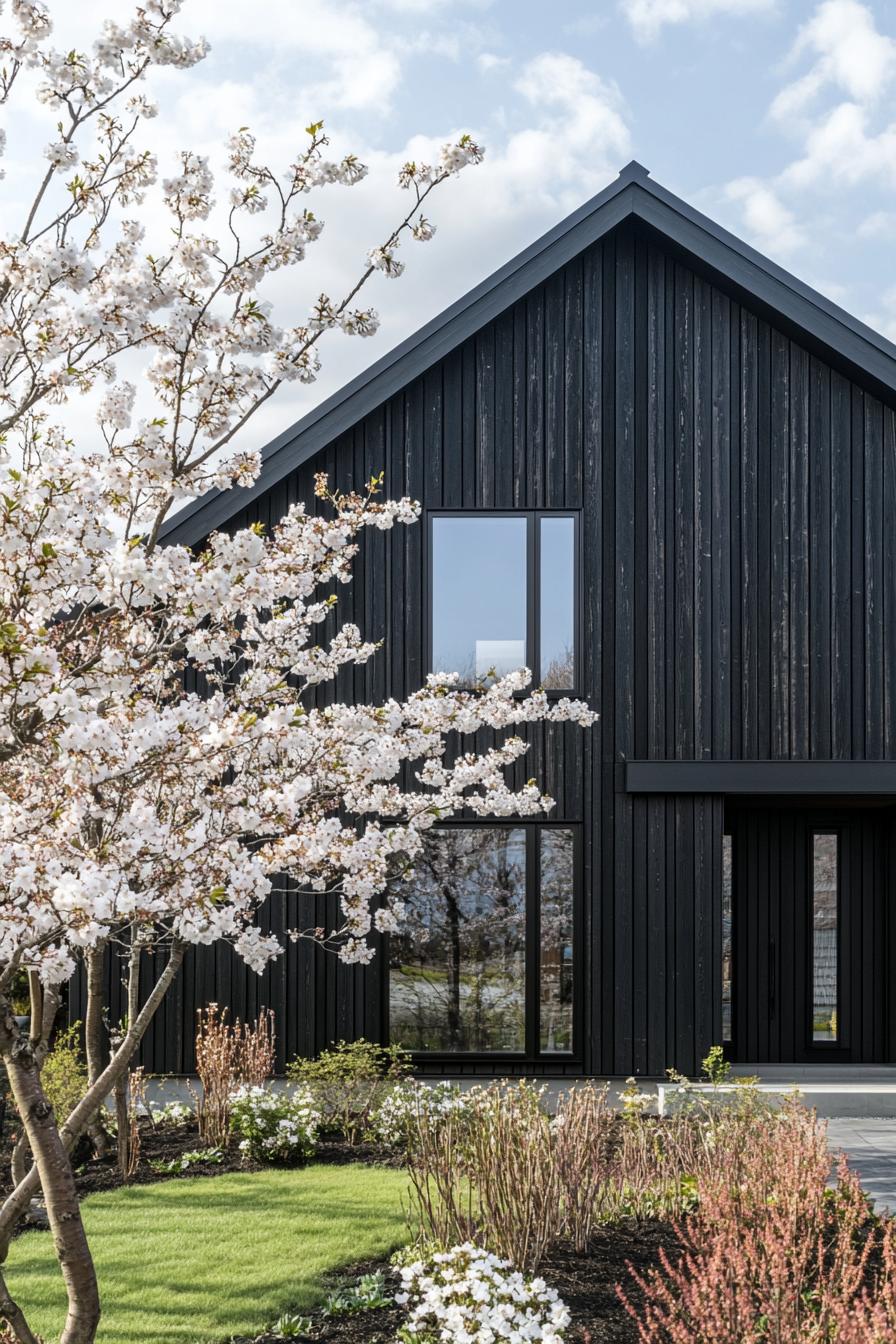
x,y
169,1143
587,1284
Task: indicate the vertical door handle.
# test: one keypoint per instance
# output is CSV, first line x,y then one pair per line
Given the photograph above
x,y
772,977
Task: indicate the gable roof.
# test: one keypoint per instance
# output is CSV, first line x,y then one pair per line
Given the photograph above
x,y
632,194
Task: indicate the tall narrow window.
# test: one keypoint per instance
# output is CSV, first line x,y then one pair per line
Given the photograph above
x,y
484,959
458,967
825,893
503,596
727,877
556,929
557,602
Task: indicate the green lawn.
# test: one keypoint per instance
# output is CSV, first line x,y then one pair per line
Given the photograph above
x,y
198,1260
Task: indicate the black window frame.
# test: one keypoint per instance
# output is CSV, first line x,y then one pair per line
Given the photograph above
x,y
532,1052
533,587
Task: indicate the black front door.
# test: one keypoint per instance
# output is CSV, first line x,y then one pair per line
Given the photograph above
x,y
805,979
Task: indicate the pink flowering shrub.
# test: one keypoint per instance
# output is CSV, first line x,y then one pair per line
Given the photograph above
x,y
773,1253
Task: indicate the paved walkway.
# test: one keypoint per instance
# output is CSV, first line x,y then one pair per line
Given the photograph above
x,y
871,1148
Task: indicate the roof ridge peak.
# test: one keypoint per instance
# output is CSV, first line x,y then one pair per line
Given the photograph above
x,y
633,172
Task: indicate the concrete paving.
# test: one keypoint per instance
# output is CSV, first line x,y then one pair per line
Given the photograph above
x,y
870,1145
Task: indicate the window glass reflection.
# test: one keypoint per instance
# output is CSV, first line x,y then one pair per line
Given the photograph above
x,y
824,937
557,603
556,969
726,939
457,968
479,594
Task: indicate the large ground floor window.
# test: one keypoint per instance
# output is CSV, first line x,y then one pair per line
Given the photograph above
x,y
485,961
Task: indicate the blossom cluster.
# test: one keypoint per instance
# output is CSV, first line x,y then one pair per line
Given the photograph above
x,y
169,740
409,1101
274,1125
468,1296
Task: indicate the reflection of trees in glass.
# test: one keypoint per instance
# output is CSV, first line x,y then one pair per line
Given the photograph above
x,y
726,937
457,978
556,980
824,927
560,673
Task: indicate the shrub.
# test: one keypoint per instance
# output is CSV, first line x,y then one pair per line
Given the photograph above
x,y
584,1134
171,1113
368,1293
187,1160
350,1082
274,1126
498,1171
487,1173
716,1067
228,1055
394,1120
64,1073
771,1252
467,1293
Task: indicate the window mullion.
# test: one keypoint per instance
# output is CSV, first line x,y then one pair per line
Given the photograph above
x,y
533,941
534,598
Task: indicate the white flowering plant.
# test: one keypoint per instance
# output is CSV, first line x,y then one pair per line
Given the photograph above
x,y
467,1294
395,1119
274,1125
171,1113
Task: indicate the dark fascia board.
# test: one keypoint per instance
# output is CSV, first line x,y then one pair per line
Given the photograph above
x,y
633,193
762,777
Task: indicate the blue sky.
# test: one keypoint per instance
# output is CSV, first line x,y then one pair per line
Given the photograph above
x,y
776,117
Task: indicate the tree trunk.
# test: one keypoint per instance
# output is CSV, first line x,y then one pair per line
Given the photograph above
x,y
17,1202
453,969
19,1162
123,1124
54,1170
122,1090
94,1037
12,1313
44,1007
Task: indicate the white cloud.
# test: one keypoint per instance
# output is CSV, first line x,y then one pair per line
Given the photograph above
x,y
487,60
883,317
769,222
580,136
851,56
430,6
879,224
837,110
648,17
840,147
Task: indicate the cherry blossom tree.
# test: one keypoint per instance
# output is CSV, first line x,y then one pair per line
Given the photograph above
x,y
165,755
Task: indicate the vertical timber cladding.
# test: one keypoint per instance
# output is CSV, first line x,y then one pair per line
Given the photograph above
x,y
739,586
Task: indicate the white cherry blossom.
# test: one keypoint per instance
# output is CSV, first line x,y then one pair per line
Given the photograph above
x,y
169,751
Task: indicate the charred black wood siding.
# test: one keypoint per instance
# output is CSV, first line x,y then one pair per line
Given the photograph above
x,y
740,604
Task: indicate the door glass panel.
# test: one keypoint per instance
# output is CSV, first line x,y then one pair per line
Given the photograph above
x,y
458,967
479,594
556,952
557,603
726,939
824,936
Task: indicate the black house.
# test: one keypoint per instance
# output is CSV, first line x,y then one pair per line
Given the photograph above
x,y
661,471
